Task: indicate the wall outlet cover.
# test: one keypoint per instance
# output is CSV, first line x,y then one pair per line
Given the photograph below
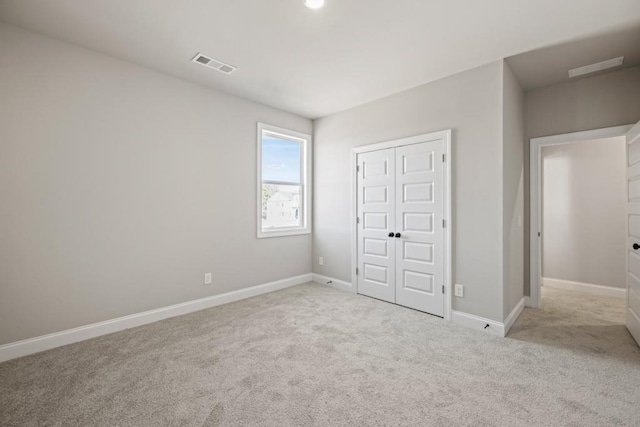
x,y
208,278
459,290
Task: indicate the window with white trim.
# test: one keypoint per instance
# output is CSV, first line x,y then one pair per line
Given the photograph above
x,y
284,176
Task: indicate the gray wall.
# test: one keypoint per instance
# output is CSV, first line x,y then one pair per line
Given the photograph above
x,y
121,187
513,191
470,104
584,212
605,100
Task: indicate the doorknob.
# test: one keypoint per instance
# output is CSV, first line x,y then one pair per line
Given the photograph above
x,y
399,235
636,246
391,234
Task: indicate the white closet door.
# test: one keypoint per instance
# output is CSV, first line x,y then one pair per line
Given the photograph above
x,y
376,215
633,209
419,221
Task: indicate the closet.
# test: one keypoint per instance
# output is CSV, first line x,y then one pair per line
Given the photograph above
x,y
400,235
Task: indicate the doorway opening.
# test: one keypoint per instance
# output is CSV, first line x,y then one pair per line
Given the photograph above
x,y
578,213
631,186
583,239
584,208
580,198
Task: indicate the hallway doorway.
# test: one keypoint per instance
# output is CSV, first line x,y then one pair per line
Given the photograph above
x,y
584,209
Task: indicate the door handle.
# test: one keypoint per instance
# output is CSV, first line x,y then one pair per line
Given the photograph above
x,y
398,235
391,234
636,246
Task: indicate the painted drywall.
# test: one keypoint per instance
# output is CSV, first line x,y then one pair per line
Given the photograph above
x,y
513,191
584,212
601,101
470,104
121,187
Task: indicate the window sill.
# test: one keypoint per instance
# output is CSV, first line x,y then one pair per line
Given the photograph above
x,y
283,233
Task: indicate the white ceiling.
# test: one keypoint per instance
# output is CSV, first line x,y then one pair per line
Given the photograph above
x,y
551,65
315,63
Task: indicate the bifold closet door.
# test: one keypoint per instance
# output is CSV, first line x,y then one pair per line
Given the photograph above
x,y
376,217
419,221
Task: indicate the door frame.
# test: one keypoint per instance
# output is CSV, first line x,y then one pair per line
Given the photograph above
x,y
535,196
444,135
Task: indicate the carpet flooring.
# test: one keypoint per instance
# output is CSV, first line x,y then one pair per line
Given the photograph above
x,y
314,356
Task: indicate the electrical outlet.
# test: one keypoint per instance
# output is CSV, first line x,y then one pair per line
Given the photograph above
x,y
459,291
208,278
321,260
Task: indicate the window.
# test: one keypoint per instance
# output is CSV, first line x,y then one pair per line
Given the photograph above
x,y
284,171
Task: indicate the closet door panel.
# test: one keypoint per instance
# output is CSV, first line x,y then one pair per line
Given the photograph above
x,y
419,215
376,219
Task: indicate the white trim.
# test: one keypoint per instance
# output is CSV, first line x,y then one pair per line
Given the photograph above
x,y
588,288
586,135
445,135
306,186
57,339
353,218
448,233
513,316
478,323
527,301
433,136
334,283
495,328
535,216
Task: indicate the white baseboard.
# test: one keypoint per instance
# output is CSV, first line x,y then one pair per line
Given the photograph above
x,y
477,323
480,323
513,316
334,283
57,339
589,288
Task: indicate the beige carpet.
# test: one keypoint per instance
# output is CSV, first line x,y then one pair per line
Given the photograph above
x,y
311,355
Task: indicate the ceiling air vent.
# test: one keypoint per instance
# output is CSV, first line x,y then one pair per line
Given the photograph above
x,y
213,63
599,66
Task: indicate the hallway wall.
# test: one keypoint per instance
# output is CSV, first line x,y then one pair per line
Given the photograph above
x,y
601,101
584,211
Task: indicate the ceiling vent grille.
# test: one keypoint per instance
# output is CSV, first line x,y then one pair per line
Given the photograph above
x,y
599,66
214,64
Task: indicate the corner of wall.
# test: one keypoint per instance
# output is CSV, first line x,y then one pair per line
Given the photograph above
x,y
512,103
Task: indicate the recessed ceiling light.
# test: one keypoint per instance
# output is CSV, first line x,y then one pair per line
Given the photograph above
x,y
314,4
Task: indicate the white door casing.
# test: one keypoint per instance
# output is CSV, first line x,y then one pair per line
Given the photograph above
x,y
419,221
633,227
376,217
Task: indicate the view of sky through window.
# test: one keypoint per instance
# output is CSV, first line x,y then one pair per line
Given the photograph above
x,y
280,159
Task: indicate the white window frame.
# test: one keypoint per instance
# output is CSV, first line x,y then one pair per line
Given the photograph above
x,y
305,184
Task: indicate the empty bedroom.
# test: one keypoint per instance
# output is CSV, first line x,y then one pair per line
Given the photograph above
x,y
319,213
